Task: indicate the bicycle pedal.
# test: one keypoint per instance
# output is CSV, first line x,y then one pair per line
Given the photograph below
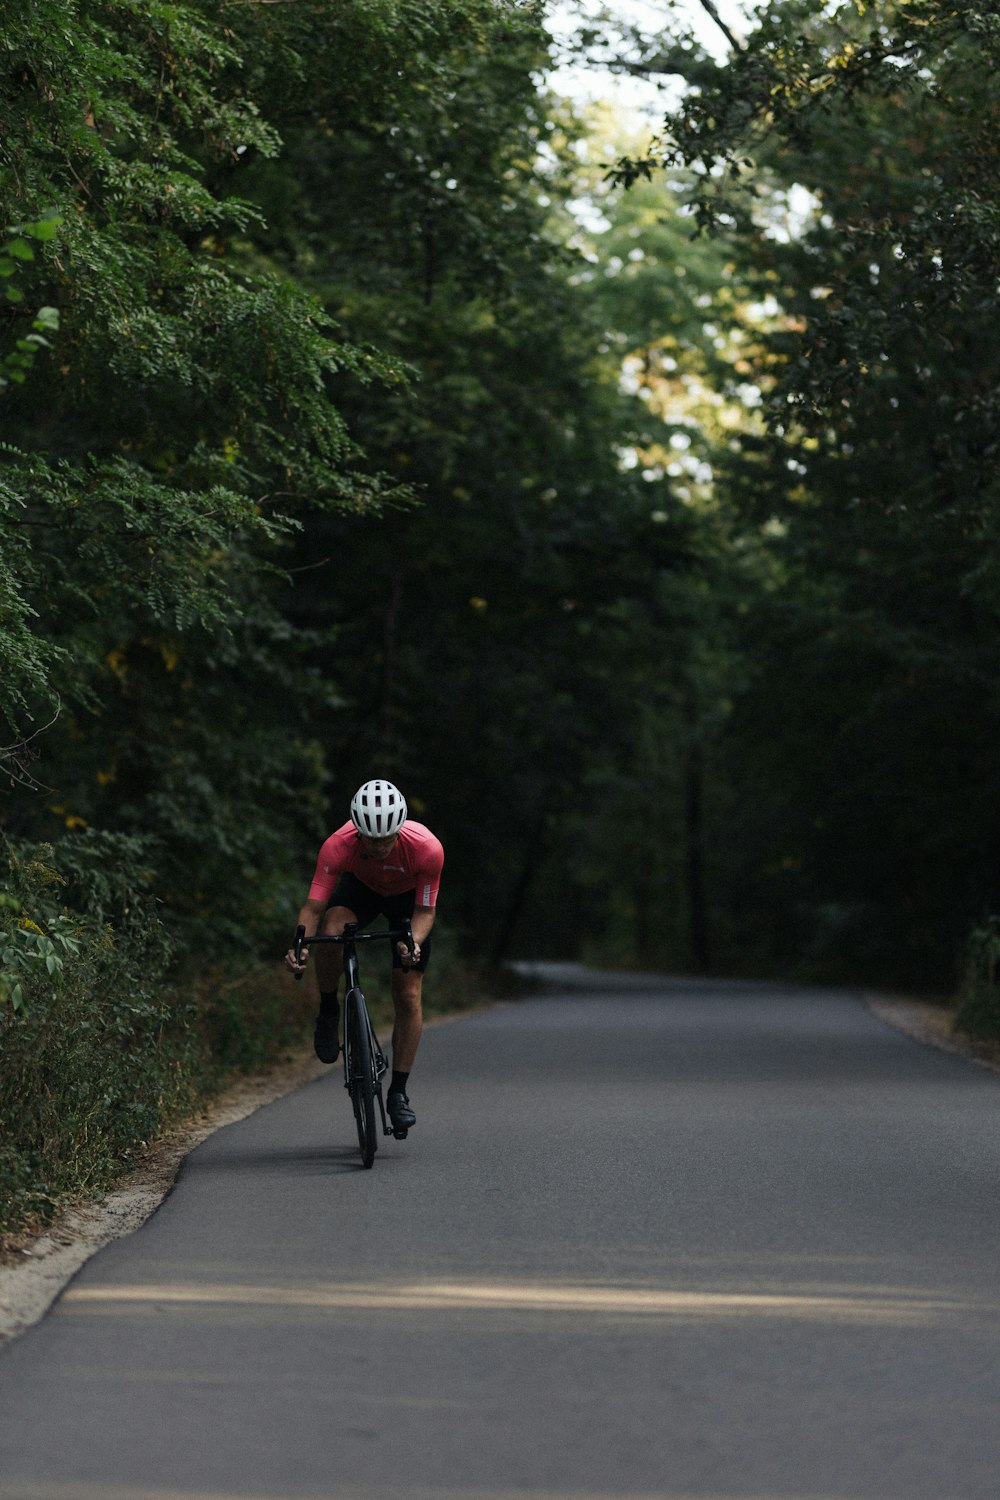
x,y
400,1135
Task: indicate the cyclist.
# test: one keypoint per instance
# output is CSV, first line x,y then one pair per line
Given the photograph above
x,y
381,862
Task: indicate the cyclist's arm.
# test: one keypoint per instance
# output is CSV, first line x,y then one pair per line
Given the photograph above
x,y
309,917
420,925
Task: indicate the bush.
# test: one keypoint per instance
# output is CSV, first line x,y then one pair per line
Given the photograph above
x,y
95,1055
978,1012
250,1021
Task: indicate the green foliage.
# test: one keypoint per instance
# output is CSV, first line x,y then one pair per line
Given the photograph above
x,y
94,1058
16,363
978,1012
483,646
247,1021
88,892
185,406
31,954
845,161
158,459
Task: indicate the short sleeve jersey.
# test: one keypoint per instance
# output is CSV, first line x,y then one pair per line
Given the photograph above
x,y
413,864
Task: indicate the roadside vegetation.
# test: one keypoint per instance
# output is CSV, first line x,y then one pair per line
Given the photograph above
x,y
631,501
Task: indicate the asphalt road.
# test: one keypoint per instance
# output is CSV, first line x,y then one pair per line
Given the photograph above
x,y
681,1240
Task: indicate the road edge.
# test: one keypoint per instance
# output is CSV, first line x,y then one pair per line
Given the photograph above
x,y
932,1024
32,1276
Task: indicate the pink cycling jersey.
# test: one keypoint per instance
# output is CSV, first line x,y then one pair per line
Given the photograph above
x,y
413,864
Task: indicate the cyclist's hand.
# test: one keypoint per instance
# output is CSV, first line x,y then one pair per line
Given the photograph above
x,y
290,963
409,959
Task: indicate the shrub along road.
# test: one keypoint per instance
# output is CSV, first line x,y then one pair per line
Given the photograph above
x,y
682,1239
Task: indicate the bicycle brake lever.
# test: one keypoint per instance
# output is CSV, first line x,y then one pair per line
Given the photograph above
x,y
300,933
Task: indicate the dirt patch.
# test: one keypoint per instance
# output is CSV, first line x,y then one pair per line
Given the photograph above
x,y
34,1273
933,1024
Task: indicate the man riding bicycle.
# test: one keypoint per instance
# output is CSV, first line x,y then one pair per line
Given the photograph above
x,y
380,863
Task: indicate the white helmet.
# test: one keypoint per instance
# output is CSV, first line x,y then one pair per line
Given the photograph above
x,y
378,809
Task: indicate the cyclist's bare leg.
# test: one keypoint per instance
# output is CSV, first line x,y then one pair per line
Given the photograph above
x,y
328,957
407,990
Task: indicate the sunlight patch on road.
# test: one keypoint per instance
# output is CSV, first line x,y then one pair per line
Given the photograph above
x,y
603,1301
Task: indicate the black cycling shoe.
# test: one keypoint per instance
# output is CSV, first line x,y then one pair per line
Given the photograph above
x,y
400,1113
326,1042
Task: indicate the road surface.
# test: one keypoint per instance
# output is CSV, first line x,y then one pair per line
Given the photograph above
x,y
650,1238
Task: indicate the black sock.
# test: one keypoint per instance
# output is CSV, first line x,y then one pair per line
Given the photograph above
x,y
398,1084
329,1005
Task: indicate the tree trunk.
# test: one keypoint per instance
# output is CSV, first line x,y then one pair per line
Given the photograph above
x,y
390,653
533,854
694,863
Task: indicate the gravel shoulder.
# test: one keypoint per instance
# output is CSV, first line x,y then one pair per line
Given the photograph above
x,y
32,1275
930,1023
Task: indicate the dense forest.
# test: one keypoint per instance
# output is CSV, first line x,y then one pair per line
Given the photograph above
x,y
369,409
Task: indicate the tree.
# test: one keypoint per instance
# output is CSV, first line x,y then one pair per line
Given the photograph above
x,y
875,474
163,444
479,634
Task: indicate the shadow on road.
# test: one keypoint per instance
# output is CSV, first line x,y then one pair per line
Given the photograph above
x,y
309,1161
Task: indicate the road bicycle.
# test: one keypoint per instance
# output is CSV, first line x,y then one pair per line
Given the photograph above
x,y
365,1063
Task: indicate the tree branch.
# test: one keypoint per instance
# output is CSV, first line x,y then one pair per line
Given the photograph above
x,y
709,7
15,759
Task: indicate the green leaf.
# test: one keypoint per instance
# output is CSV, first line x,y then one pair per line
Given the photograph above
x,y
43,229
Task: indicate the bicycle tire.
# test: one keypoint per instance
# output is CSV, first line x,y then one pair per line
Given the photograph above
x,y
361,1076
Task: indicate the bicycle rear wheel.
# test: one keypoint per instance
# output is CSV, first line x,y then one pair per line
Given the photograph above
x,y
361,1075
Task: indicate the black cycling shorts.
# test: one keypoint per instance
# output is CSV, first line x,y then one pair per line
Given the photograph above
x,y
367,904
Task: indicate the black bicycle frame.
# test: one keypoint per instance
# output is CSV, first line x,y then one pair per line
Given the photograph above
x,y
348,940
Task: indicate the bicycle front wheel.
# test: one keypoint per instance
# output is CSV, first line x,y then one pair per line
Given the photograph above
x,y
361,1075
